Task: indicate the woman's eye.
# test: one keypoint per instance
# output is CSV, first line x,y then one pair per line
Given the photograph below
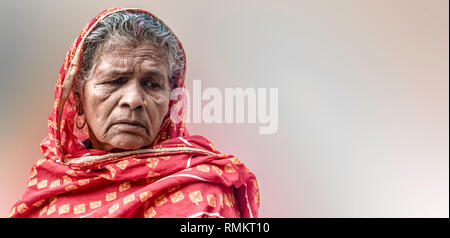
x,y
151,84
120,80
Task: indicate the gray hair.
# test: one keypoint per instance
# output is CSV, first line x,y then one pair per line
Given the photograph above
x,y
129,27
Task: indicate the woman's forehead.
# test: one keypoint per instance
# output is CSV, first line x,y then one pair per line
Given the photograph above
x,y
144,50
145,56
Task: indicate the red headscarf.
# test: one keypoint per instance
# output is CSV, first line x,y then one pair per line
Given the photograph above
x,y
179,176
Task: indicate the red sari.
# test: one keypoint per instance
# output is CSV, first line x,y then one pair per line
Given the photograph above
x,y
179,176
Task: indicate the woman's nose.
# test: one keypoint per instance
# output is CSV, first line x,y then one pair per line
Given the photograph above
x,y
132,96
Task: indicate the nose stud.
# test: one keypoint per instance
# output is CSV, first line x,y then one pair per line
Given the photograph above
x,y
145,103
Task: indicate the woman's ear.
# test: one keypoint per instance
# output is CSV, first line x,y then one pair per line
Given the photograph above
x,y
78,103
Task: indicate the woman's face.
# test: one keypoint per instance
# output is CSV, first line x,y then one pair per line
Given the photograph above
x,y
126,98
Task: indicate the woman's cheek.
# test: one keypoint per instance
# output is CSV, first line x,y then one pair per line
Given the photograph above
x,y
100,100
101,93
164,102
95,100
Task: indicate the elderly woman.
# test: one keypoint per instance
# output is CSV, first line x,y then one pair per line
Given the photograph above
x,y
113,149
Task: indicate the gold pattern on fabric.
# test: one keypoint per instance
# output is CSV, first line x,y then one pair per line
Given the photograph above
x,y
257,197
39,162
229,168
70,188
211,200
145,195
203,168
110,196
66,179
227,200
160,200
113,208
165,157
173,188
152,174
55,183
105,176
149,213
152,162
52,200
196,197
124,186
13,212
71,172
64,209
33,172
22,208
234,160
32,182
217,170
42,184
128,198
111,170
80,208
82,182
122,164
221,200
39,203
95,204
176,197
43,210
51,209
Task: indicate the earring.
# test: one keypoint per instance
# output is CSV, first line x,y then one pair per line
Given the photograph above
x,y
76,123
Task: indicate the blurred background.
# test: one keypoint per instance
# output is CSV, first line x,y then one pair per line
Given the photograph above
x,y
363,98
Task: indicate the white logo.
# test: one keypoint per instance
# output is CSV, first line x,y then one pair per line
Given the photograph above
x,y
228,107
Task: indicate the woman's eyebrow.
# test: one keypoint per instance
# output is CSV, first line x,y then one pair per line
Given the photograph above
x,y
109,73
113,72
127,72
154,72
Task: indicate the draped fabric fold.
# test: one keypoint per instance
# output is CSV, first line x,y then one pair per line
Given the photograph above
x,y
178,176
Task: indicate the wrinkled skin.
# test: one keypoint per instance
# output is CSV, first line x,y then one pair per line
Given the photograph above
x,y
126,98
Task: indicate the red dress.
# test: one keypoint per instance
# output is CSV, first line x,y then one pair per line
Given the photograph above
x,y
178,176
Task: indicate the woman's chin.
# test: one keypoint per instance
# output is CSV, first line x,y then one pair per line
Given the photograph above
x,y
124,146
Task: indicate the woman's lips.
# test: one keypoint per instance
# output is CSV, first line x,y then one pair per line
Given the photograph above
x,y
129,126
